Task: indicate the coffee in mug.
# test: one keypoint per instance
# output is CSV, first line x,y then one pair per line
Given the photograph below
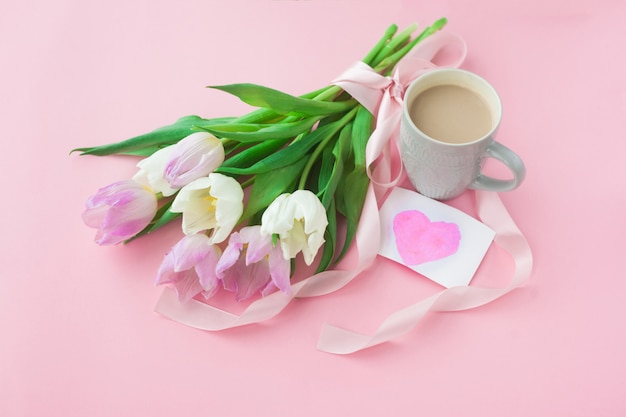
x,y
449,121
451,113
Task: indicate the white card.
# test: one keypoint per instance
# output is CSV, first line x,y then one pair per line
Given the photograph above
x,y
436,240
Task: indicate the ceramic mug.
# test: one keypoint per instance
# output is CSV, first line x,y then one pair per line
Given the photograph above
x,y
449,121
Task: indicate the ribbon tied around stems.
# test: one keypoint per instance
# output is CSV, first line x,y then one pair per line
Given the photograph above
x,y
383,97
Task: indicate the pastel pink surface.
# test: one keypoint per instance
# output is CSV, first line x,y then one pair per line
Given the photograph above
x,y
419,240
79,337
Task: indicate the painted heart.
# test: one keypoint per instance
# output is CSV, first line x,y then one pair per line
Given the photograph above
x,y
419,240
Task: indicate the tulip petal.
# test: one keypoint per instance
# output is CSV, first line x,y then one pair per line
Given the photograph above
x,y
228,259
210,203
190,267
195,156
119,211
250,263
280,270
187,286
206,270
252,278
293,242
151,172
190,250
185,283
259,246
299,219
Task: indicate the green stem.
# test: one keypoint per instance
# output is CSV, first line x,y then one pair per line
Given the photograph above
x,y
399,40
333,91
437,25
329,93
320,147
248,182
389,62
227,143
391,30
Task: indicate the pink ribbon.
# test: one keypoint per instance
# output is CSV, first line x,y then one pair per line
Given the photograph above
x,y
383,96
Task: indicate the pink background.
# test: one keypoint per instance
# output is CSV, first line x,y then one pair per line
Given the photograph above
x,y
78,333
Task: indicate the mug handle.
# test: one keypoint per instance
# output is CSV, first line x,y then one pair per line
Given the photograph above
x,y
511,160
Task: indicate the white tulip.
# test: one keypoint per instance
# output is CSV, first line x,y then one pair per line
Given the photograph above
x,y
210,203
151,171
299,220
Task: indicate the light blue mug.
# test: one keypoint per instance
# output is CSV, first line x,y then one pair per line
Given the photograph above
x,y
442,167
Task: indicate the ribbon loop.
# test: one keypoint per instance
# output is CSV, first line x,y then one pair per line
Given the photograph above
x,y
364,84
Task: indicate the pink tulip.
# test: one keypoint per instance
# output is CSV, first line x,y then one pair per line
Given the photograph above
x,y
251,263
119,211
190,267
193,157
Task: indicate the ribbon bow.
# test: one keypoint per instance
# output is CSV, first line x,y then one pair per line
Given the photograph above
x,y
383,97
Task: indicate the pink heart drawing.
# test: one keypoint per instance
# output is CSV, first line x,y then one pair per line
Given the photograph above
x,y
419,240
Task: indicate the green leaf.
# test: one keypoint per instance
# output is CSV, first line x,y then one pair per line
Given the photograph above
x,y
143,152
330,236
352,193
259,116
256,132
253,154
288,155
324,171
159,138
326,142
270,185
283,103
361,132
332,179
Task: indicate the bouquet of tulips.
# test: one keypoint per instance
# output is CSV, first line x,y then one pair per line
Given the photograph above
x,y
302,158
